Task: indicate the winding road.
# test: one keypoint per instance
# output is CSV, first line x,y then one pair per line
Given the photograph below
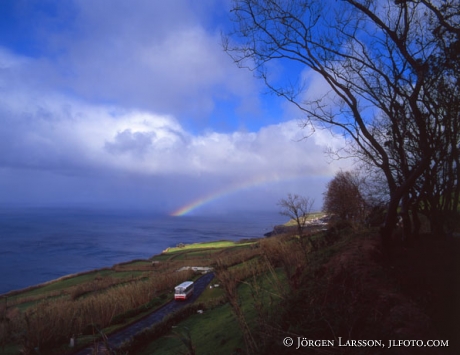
x,y
118,337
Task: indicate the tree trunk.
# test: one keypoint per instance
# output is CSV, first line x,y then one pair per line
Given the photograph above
x,y
407,224
386,231
416,222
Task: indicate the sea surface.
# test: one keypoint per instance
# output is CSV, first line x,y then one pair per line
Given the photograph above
x,y
38,245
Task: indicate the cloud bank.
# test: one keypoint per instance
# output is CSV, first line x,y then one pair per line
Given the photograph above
x,y
139,106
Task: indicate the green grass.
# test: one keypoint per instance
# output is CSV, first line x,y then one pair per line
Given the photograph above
x,y
216,331
213,332
128,274
134,262
161,257
57,289
217,244
70,281
60,285
203,252
213,293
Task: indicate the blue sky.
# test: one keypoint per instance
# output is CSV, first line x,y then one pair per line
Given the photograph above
x,y
135,104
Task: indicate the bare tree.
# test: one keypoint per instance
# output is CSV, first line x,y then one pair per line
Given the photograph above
x,y
297,208
381,61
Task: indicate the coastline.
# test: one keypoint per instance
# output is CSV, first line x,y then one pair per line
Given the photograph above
x,y
315,225
40,246
50,282
197,245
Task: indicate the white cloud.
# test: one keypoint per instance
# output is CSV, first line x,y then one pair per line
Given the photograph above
x,y
136,151
49,130
106,116
52,130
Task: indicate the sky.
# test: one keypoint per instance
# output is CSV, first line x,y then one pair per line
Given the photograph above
x,y
134,104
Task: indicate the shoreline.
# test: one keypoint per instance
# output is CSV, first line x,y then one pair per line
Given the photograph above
x,y
50,282
277,229
81,273
42,247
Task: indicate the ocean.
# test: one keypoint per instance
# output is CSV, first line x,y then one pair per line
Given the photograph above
x,y
39,245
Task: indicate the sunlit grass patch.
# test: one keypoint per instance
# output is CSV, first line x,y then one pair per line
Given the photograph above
x,y
216,244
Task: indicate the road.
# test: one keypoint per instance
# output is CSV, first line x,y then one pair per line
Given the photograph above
x,y
117,338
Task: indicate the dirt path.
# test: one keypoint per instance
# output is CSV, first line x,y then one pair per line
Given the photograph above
x,y
117,338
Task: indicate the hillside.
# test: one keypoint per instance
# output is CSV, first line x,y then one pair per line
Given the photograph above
x,y
356,294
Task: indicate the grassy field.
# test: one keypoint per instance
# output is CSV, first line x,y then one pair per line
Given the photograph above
x,y
210,245
210,332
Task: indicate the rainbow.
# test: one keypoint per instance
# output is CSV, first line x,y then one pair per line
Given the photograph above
x,y
184,210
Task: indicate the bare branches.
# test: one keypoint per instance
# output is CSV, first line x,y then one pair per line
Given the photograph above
x,y
344,197
297,208
382,62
